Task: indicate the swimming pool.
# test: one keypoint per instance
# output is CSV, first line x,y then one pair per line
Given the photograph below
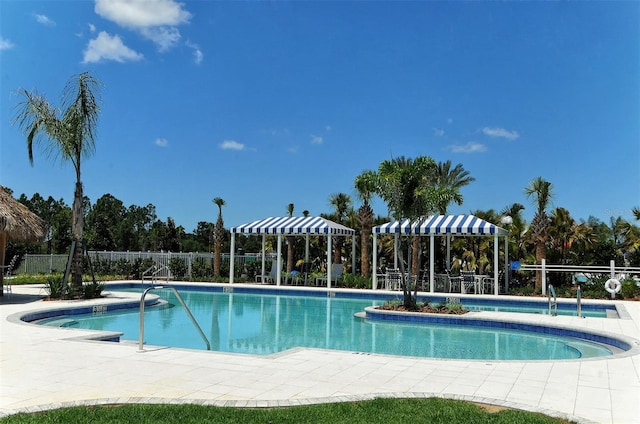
x,y
262,322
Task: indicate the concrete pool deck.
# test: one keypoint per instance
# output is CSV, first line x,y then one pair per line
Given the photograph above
x,y
44,368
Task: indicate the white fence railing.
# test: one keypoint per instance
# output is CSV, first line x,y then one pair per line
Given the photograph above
x,y
613,270
35,264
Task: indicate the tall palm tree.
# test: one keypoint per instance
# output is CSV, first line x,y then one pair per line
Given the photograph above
x,y
365,185
636,212
218,234
541,192
407,186
290,241
70,133
341,203
453,179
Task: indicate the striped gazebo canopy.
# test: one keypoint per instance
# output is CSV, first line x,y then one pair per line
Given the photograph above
x,y
293,225
442,224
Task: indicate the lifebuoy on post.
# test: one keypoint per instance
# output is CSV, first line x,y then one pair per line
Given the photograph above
x,y
613,286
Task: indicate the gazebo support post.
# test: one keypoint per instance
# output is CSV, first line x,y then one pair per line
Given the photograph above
x,y
279,261
232,258
431,262
374,270
264,259
496,263
329,261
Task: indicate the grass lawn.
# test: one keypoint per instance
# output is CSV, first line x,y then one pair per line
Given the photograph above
x,y
374,411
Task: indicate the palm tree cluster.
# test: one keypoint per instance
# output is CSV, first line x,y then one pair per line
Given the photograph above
x,y
411,188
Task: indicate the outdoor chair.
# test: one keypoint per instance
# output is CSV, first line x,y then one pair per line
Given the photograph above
x,y
393,280
271,278
488,283
468,282
453,283
336,273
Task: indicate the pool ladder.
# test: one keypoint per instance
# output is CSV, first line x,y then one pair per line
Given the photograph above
x,y
553,302
152,273
184,305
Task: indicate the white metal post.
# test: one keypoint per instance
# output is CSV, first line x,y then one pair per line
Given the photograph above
x,y
431,262
374,270
233,252
544,276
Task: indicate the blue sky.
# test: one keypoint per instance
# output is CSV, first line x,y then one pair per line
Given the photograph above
x,y
266,103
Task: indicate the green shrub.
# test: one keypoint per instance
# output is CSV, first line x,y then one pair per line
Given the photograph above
x,y
352,281
56,287
93,290
629,288
178,268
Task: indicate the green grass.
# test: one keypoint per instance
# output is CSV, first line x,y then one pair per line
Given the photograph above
x,y
374,411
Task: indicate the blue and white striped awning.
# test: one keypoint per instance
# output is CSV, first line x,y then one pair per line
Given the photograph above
x,y
442,224
293,225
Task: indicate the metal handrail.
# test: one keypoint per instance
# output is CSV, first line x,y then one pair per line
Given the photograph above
x,y
184,305
153,271
552,292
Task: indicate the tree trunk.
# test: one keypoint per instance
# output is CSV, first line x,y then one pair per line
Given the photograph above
x,y
290,241
337,252
365,269
216,258
76,231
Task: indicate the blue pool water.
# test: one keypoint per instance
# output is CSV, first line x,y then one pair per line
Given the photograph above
x,y
269,323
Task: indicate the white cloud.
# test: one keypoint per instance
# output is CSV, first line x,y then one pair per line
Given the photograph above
x,y
231,145
162,142
156,20
500,132
44,20
327,128
438,132
450,121
470,147
164,37
107,47
5,44
198,56
315,139
92,27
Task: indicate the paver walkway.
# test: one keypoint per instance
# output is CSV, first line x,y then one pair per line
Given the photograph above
x,y
43,368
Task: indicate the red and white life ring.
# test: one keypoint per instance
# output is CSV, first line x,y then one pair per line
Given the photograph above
x,y
612,286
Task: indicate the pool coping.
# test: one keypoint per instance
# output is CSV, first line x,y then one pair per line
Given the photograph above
x,y
627,346
585,391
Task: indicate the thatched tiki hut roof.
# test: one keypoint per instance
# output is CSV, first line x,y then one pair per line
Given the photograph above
x,y
17,223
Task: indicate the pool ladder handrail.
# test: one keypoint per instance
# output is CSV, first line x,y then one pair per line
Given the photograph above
x,y
153,271
184,305
552,302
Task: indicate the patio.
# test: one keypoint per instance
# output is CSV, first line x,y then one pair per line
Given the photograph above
x,y
44,368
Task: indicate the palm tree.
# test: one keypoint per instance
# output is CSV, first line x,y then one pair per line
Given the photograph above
x,y
407,186
636,213
453,179
365,184
290,241
540,190
71,134
342,203
218,234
